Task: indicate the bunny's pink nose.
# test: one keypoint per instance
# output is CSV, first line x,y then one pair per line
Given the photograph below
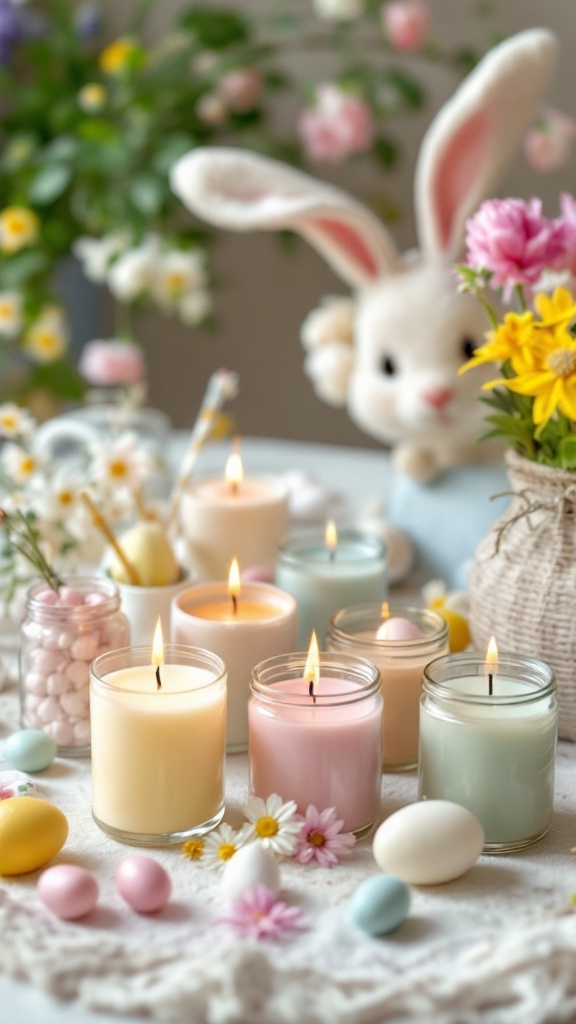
x,y
438,398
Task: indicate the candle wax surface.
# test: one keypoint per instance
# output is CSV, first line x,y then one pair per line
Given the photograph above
x,y
246,611
252,490
174,679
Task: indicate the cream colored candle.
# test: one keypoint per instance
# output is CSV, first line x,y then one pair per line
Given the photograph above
x,y
158,752
260,623
233,516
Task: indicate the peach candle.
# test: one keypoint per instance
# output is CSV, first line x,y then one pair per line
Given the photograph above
x,y
158,743
233,516
315,734
243,626
400,640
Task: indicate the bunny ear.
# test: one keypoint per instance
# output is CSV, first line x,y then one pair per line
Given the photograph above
x,y
233,188
473,139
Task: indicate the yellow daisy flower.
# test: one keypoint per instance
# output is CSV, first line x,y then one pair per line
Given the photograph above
x,y
556,311
510,337
116,56
552,380
92,97
19,227
47,339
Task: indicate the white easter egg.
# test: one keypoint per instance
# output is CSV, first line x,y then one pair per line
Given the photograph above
x,y
250,866
428,843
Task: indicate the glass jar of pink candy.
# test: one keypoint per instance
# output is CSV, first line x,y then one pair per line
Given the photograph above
x,y
63,631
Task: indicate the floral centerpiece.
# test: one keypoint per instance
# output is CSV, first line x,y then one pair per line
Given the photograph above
x,y
90,126
523,577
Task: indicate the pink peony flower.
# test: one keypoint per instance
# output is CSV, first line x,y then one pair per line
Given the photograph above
x,y
112,363
407,24
340,124
514,241
568,209
547,146
241,90
321,838
260,915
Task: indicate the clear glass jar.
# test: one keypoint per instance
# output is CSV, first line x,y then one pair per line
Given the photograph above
x,y
401,662
322,747
489,743
59,638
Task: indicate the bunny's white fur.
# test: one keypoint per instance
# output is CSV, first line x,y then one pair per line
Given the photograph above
x,y
412,330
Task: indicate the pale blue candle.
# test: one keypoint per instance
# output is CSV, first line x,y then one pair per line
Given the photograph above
x,y
323,582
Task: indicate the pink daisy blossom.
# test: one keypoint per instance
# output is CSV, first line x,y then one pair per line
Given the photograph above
x,y
261,915
512,240
321,838
338,125
407,24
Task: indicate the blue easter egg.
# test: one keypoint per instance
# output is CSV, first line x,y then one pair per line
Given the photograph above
x,y
380,904
30,750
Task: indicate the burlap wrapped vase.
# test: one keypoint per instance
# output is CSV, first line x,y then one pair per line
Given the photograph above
x,y
523,577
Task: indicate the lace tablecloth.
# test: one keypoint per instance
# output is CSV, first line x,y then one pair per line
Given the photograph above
x,y
497,945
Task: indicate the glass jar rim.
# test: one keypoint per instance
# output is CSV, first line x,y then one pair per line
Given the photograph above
x,y
395,648
141,657
365,682
293,548
524,669
91,584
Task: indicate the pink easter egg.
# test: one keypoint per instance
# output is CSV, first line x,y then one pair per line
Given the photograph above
x,y
35,682
143,883
45,661
84,647
57,684
47,597
398,628
68,890
95,598
70,597
49,710
257,574
77,672
62,733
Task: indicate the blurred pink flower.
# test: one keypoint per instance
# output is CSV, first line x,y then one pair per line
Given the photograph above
x,y
568,210
112,363
338,125
547,145
514,241
240,90
322,839
407,24
261,915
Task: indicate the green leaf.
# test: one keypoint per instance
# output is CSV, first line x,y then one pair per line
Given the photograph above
x,y
215,30
147,193
16,270
173,147
59,378
385,151
407,88
49,184
61,149
567,452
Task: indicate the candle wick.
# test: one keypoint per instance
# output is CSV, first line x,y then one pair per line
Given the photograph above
x,y
158,680
490,683
234,604
234,486
311,691
332,555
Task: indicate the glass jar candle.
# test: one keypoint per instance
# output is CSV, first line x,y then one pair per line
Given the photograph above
x,y
319,745
323,580
63,631
488,742
415,637
158,743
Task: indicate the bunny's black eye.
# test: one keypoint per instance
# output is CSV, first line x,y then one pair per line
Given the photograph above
x,y
388,366
468,347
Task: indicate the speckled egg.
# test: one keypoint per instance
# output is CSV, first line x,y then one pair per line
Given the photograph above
x,y
380,904
251,865
428,843
31,833
14,783
68,890
143,883
30,750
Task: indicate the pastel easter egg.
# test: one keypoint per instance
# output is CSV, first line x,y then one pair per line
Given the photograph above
x,y
398,628
15,783
31,833
257,574
70,597
428,843
143,883
250,866
380,904
29,750
68,890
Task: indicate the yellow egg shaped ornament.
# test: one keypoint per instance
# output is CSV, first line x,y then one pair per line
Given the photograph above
x,y
458,631
31,833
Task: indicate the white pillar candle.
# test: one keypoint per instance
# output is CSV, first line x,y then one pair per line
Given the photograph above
x,y
494,753
235,517
158,753
261,624
414,638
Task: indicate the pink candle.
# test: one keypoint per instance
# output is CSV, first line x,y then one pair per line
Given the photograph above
x,y
317,739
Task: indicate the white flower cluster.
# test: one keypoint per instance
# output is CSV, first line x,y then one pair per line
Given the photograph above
x,y
113,472
176,280
45,340
327,335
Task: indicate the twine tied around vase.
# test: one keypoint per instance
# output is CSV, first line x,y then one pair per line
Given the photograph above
x,y
563,504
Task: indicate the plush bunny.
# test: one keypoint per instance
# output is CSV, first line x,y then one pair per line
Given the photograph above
x,y
394,354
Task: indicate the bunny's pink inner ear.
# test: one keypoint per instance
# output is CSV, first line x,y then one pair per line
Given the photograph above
x,y
460,168
349,242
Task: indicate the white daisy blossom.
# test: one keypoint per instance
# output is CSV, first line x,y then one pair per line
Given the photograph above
x,y
331,322
95,254
11,319
133,272
221,844
60,498
15,421
338,10
178,273
18,463
194,308
122,464
272,823
47,339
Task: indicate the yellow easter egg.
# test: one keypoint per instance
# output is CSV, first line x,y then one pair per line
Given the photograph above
x,y
31,833
149,551
458,631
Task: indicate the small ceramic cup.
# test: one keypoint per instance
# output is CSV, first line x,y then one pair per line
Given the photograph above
x,y
143,605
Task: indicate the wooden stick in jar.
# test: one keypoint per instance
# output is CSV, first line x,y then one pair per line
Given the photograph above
x,y
104,528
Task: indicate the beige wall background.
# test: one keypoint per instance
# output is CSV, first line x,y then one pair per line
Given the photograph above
x,y
265,294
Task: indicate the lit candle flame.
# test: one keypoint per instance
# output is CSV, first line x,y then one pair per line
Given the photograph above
x,y
158,645
331,538
312,669
491,663
385,612
234,472
234,583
